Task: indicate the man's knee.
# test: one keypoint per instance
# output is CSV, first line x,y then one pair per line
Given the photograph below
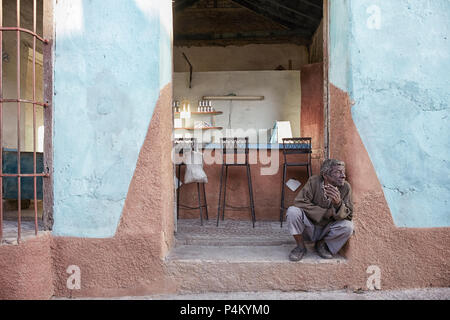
x,y
294,214
344,227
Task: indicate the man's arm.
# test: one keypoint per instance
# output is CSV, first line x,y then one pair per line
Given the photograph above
x,y
304,200
345,210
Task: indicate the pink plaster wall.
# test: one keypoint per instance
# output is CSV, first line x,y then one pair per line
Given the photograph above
x,y
26,269
312,115
312,122
131,262
407,257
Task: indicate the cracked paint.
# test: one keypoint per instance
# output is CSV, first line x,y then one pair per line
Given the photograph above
x,y
397,75
108,75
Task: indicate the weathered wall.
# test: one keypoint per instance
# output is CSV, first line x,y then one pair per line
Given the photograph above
x,y
112,145
402,109
412,257
106,87
400,100
130,263
127,196
312,115
316,47
27,269
240,58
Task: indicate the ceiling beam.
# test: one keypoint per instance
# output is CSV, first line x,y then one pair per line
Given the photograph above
x,y
291,21
180,5
312,4
292,10
275,36
255,9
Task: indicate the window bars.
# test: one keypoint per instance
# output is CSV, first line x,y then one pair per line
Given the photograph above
x,y
19,175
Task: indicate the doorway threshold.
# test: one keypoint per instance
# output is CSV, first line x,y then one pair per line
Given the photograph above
x,y
238,241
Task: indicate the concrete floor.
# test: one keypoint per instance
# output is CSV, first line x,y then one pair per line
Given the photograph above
x,y
231,232
10,228
238,242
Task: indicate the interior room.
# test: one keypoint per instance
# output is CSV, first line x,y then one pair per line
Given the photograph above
x,y
248,68
237,65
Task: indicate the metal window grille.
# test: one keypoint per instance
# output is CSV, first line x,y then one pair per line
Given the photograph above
x,y
19,175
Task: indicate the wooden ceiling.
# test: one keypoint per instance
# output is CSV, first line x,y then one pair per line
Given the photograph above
x,y
240,22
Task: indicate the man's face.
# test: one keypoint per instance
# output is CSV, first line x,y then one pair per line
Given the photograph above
x,y
337,176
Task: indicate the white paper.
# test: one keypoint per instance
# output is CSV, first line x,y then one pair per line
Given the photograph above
x,y
281,129
284,130
293,184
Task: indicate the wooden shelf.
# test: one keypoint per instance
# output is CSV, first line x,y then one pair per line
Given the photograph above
x,y
207,128
248,98
205,113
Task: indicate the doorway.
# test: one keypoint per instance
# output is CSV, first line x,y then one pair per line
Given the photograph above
x,y
271,49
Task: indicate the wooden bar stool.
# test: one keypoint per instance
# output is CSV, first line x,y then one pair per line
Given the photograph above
x,y
294,146
181,146
234,146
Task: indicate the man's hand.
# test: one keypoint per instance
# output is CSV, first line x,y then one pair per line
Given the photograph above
x,y
333,193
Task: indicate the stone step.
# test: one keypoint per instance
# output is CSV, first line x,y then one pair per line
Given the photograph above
x,y
237,257
246,254
235,241
198,269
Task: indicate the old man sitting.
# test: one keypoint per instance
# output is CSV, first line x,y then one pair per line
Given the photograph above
x,y
322,212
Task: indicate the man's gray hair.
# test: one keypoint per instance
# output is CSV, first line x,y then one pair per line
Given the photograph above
x,y
328,165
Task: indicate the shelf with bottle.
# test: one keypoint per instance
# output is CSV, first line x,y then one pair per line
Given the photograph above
x,y
183,109
211,113
204,107
184,116
203,128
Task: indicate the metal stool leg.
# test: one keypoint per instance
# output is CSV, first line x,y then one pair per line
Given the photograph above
x,y
206,204
250,190
282,194
220,195
200,204
178,191
225,193
309,167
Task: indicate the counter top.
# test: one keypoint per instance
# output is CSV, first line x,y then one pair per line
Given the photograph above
x,y
256,146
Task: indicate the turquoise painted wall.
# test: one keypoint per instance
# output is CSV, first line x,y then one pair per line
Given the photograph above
x,y
393,57
339,63
110,63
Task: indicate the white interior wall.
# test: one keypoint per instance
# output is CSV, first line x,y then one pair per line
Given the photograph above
x,y
281,91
